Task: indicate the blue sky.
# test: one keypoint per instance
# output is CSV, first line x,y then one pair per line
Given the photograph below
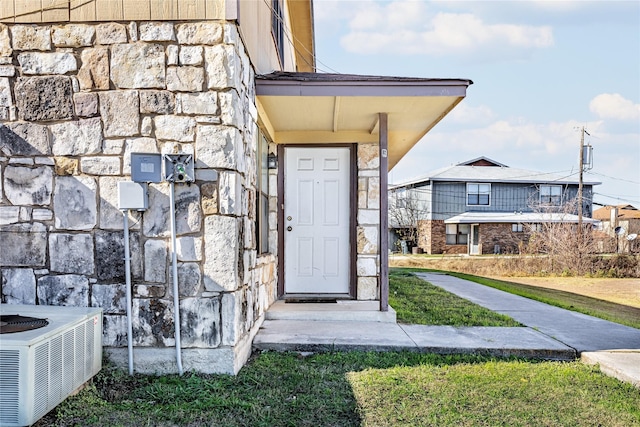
x,y
541,70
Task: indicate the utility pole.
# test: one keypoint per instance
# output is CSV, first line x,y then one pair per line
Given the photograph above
x,y
583,161
581,166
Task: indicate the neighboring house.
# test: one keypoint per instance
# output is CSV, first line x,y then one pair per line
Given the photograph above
x,y
485,207
621,224
289,164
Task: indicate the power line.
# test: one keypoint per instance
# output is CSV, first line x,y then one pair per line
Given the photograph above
x,y
617,179
528,175
618,198
290,36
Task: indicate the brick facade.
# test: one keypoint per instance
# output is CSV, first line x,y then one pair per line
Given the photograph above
x,y
432,238
499,238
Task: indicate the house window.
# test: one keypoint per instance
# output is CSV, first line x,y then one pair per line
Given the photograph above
x,y
400,198
478,194
277,28
262,194
551,195
535,227
457,234
517,228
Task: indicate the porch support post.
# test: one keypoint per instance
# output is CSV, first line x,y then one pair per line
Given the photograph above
x,y
384,212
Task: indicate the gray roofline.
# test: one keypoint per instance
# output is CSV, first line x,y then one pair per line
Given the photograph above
x,y
508,217
418,183
319,84
528,177
511,181
482,158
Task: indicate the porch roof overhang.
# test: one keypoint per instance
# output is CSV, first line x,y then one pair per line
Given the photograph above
x,y
516,217
301,108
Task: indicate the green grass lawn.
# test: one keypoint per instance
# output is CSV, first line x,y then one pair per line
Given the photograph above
x,y
359,389
607,310
366,389
419,302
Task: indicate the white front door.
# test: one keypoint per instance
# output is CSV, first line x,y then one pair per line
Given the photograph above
x,y
474,241
316,220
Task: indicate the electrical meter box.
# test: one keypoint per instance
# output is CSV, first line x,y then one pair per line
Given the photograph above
x,y
179,168
132,195
146,167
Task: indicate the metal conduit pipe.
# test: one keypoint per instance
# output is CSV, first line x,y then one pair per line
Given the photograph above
x,y
174,275
127,270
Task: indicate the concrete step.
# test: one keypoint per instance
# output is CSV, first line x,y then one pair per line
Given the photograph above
x,y
621,364
339,311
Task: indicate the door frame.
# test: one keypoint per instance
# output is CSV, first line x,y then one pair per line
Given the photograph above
x,y
353,214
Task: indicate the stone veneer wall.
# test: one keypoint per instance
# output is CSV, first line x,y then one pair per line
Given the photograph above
x,y
75,101
368,230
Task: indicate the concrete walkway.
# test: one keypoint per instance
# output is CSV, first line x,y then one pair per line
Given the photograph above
x,y
550,332
615,347
576,330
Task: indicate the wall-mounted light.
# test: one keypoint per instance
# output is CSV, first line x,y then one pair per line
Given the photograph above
x,y
272,161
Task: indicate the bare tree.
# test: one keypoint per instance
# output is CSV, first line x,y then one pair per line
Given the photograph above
x,y
569,248
406,209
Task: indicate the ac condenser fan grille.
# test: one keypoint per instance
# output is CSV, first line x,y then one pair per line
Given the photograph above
x,y
11,323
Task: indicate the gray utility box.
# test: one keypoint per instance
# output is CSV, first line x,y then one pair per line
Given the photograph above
x,y
146,167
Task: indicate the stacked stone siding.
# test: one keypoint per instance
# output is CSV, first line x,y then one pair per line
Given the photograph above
x,y
368,230
75,101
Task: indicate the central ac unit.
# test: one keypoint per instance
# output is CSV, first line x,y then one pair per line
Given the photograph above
x,y
40,368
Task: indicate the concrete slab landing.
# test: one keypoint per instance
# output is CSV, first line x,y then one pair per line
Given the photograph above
x,y
305,335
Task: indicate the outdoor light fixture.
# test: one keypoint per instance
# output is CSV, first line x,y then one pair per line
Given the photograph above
x,y
272,161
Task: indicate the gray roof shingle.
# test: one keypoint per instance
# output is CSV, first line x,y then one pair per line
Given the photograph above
x,y
504,174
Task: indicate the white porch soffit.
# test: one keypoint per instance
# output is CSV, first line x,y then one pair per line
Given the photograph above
x,y
300,108
516,217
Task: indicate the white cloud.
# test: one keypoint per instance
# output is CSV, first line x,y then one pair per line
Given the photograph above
x,y
519,143
465,114
614,106
409,27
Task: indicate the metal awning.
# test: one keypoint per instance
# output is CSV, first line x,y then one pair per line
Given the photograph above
x,y
300,108
516,217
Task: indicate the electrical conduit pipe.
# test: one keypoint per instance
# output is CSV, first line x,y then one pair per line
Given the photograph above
x,y
127,273
174,276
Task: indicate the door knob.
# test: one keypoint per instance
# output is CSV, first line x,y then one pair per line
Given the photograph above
x,y
289,228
